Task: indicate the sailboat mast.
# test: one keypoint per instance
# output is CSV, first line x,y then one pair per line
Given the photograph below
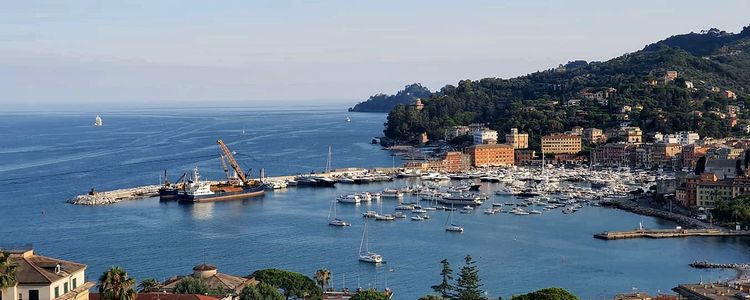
x,y
328,162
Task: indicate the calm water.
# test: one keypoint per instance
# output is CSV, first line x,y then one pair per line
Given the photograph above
x,y
47,158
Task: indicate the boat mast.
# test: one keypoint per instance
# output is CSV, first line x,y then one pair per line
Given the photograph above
x,y
362,242
328,162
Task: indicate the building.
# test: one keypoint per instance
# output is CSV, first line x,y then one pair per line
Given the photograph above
x,y
663,154
670,75
691,153
517,140
485,136
44,278
632,135
524,157
577,130
418,105
454,161
213,279
561,144
611,155
710,190
729,95
594,136
456,131
489,155
722,168
689,84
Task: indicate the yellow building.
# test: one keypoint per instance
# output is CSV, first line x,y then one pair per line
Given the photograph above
x,y
517,140
561,144
43,278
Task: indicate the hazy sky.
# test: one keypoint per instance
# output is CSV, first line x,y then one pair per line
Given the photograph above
x,y
165,53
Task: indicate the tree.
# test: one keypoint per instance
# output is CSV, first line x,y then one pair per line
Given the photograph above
x,y
294,285
747,158
369,295
191,285
262,291
700,166
7,271
468,285
547,294
445,288
322,276
147,284
431,297
738,168
115,284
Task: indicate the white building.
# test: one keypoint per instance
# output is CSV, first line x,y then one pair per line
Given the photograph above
x,y
43,278
485,136
683,138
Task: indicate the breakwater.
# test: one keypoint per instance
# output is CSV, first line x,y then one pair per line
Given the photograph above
x,y
631,206
743,270
665,233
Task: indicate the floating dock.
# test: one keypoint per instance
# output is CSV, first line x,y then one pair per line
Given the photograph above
x,y
666,233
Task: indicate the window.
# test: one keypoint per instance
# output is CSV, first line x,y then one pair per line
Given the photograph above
x,y
65,287
33,294
57,291
75,284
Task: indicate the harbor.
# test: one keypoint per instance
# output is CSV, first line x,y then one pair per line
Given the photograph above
x,y
289,227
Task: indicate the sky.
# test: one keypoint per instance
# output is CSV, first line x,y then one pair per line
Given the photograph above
x,y
109,54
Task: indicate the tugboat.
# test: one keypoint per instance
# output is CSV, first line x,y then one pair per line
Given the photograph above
x,y
236,187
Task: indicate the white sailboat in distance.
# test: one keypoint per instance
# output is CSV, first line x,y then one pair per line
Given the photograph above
x,y
98,121
450,226
367,256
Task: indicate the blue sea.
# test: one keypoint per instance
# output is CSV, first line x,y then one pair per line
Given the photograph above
x,y
47,158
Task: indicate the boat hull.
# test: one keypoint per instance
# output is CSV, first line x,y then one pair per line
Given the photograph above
x,y
224,195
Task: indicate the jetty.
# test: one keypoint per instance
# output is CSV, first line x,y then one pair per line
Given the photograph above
x,y
149,191
667,233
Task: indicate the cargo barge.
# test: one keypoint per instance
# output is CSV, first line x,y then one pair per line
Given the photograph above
x,y
196,191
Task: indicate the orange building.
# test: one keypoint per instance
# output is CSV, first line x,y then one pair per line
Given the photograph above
x,y
489,155
454,161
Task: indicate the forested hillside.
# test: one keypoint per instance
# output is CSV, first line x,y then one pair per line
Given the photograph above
x,y
385,103
599,94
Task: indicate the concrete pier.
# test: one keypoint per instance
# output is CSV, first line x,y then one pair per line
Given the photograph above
x,y
666,233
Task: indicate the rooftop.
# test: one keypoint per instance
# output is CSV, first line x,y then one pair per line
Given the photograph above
x,y
37,269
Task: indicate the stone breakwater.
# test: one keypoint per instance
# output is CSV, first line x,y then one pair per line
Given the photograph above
x,y
633,207
111,197
743,270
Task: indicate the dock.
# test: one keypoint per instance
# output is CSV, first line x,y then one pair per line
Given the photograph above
x,y
666,233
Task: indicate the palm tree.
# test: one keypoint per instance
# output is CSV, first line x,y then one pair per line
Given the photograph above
x,y
147,284
7,271
115,284
322,276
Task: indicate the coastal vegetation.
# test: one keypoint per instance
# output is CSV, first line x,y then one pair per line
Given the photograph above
x,y
192,285
547,294
293,284
466,287
595,94
736,210
385,103
261,291
322,276
147,284
115,284
7,271
369,295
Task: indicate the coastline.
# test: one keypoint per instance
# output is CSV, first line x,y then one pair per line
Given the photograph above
x,y
633,207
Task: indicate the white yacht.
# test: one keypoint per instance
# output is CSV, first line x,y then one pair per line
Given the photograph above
x,y
452,227
392,193
98,121
366,255
350,199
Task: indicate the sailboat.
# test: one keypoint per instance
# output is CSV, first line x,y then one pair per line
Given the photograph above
x,y
452,227
98,121
348,119
335,221
367,256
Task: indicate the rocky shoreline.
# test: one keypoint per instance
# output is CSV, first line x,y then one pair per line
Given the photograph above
x,y
634,207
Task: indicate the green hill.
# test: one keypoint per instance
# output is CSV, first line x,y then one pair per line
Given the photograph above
x,y
712,61
385,103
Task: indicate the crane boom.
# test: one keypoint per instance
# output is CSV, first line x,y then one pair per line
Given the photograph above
x,y
226,169
232,162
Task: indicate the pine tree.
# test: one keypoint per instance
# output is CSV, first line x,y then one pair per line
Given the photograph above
x,y
445,288
468,284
